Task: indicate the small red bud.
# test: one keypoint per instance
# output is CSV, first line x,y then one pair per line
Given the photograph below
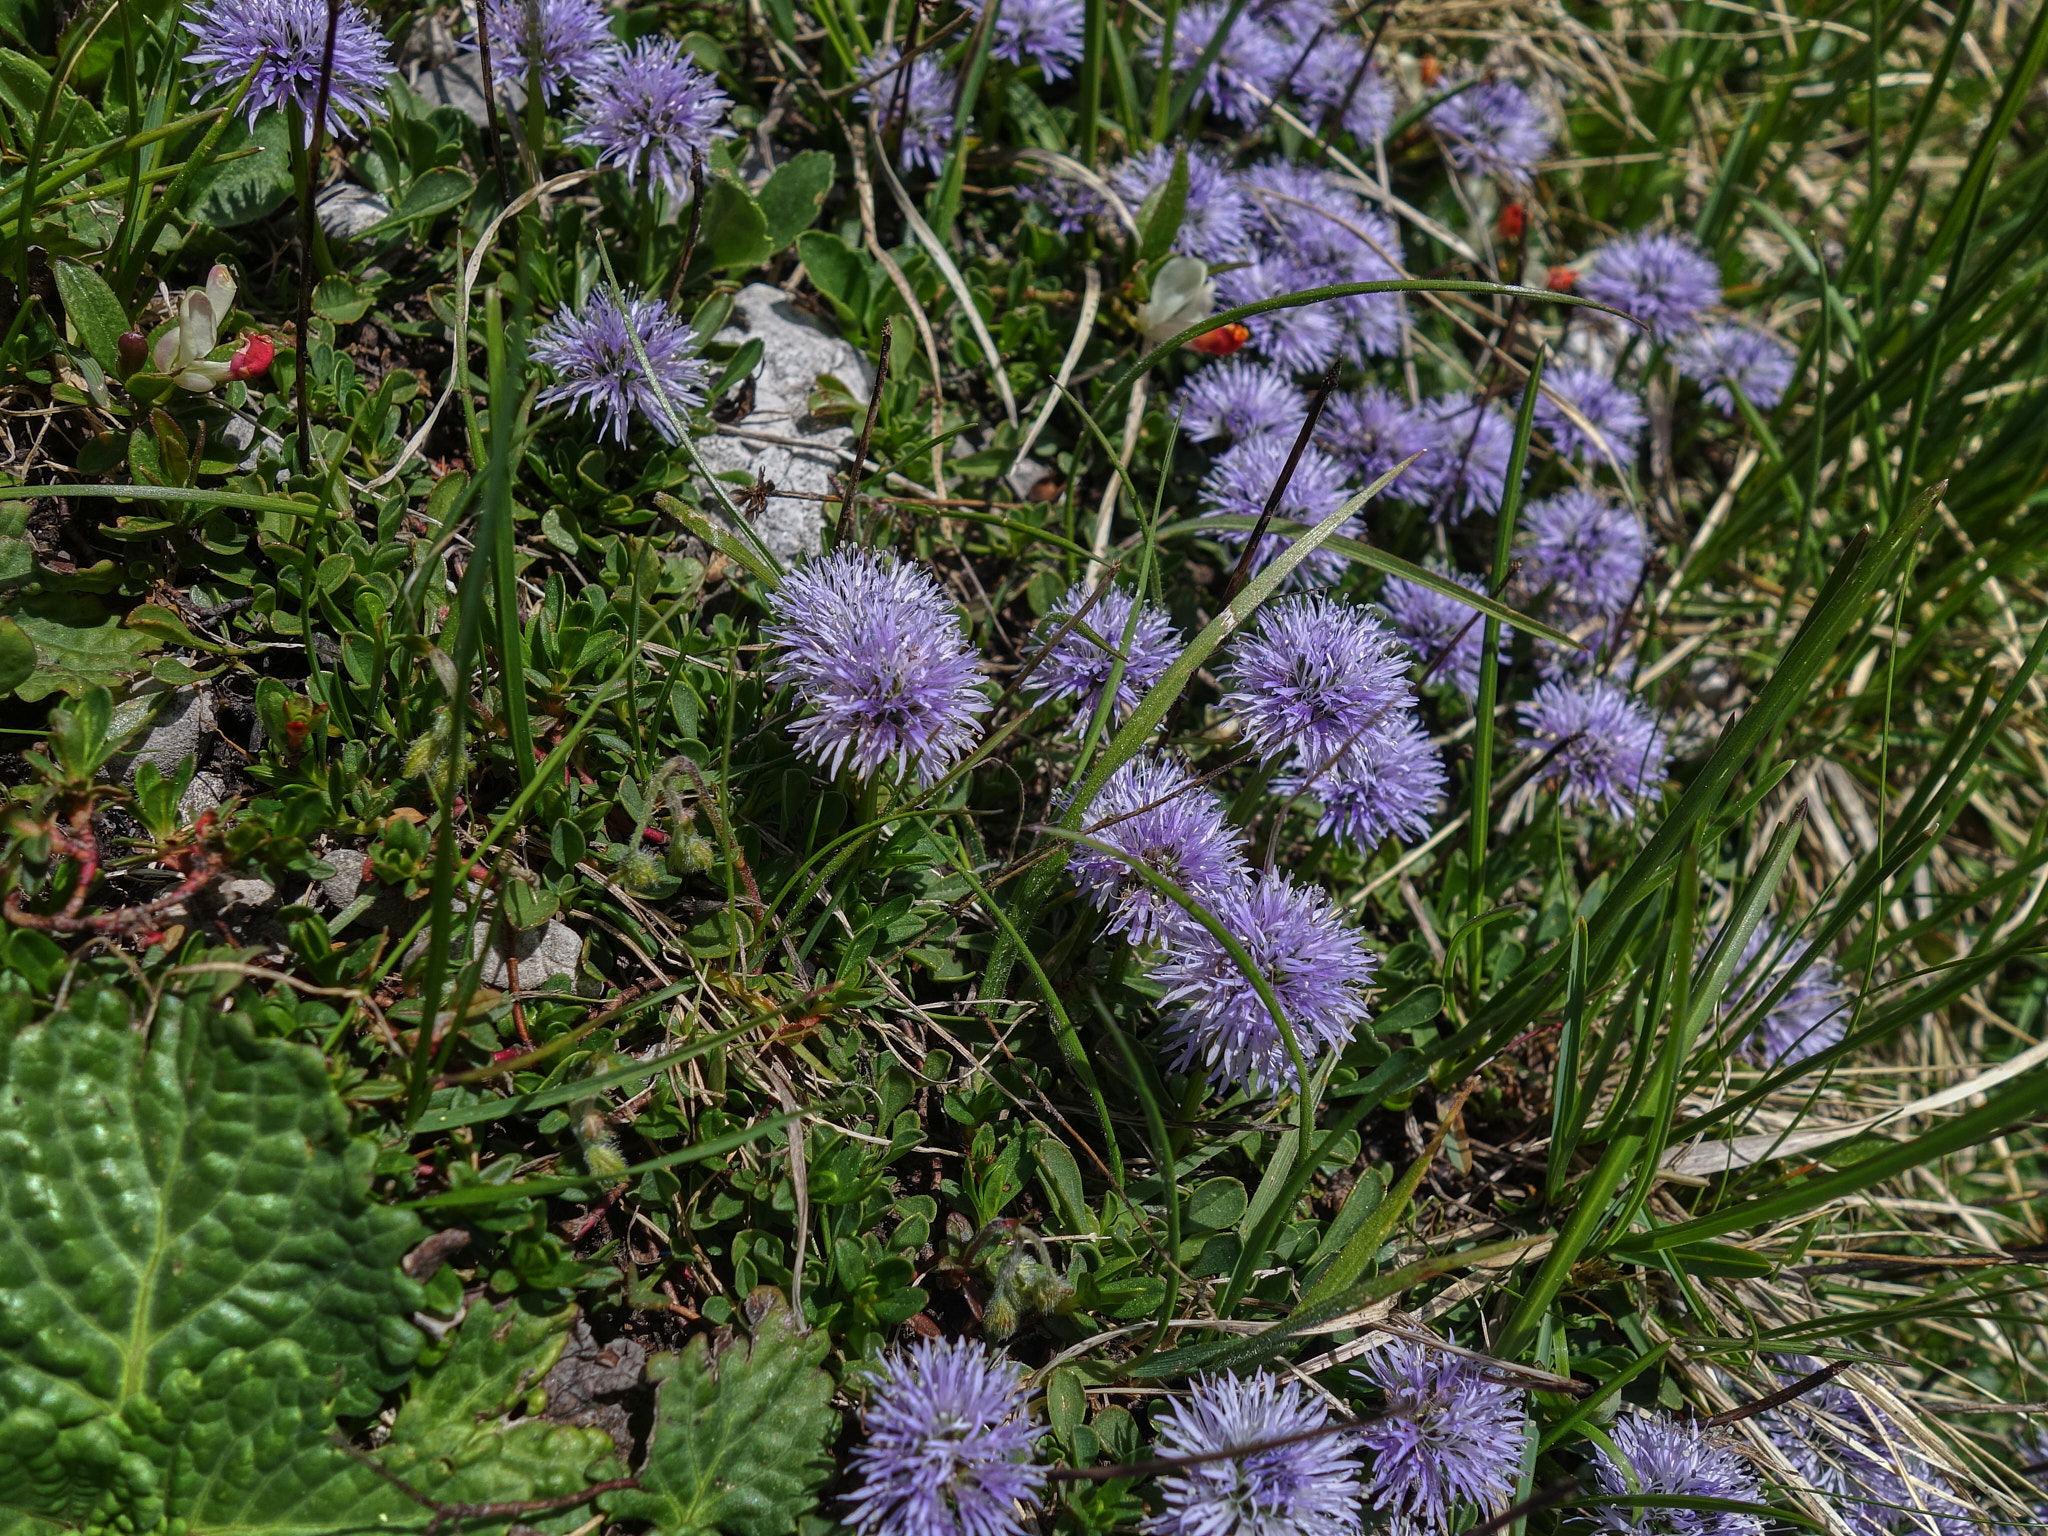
x,y
1222,341
1513,222
1430,69
133,350
1561,280
252,357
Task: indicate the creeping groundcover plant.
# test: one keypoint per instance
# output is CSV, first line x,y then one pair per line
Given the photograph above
x,y
1023,768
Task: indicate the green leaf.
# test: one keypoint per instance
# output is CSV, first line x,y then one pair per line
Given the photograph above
x,y
432,191
1061,1176
794,194
79,645
17,549
25,87
735,230
740,1436
17,656
241,190
341,301
836,269
1216,1204
181,1192
95,313
1170,206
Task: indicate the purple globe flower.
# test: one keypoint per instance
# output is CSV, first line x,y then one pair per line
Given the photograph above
x,y
1450,1439
1466,469
1674,1456
1612,409
1811,1017
1317,966
1153,811
1387,784
1314,676
1727,357
1302,212
1588,549
949,1445
1606,749
1665,280
876,651
1492,129
921,106
1343,91
1304,340
1368,432
1046,32
1307,1488
1238,399
576,43
1246,68
1434,625
1067,205
1848,1450
1213,226
286,40
652,114
590,352
1243,478
1079,665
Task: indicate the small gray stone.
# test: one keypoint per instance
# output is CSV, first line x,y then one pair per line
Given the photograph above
x,y
244,893
204,793
184,721
460,84
554,949
798,347
346,883
346,210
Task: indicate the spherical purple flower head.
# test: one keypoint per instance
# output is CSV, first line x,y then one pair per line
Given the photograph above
x,y
1368,432
1213,226
1674,1456
1756,362
1079,665
1450,1438
289,38
1243,478
1588,549
1246,69
1344,91
1606,749
1466,469
1313,676
1811,1017
576,43
1067,205
1611,408
921,106
590,352
949,1444
1434,625
1045,32
653,114
1666,281
1317,966
1152,810
1238,399
1304,340
1847,1449
877,652
1492,129
1308,1488
1304,213
1388,784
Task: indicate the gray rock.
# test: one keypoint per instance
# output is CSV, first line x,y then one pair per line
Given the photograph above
x,y
797,348
346,883
460,84
244,893
182,723
552,950
204,793
346,210
353,880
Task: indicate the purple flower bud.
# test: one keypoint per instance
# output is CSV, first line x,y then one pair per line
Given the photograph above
x,y
1154,812
1606,749
1727,357
1611,408
1664,280
591,352
652,114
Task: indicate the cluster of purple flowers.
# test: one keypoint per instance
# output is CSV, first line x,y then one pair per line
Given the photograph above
x,y
1664,280
1491,127
1680,1458
1811,1017
572,43
1587,549
652,113
1447,636
592,355
1470,442
1308,231
1078,664
1045,32
1213,225
1726,357
877,653
1237,399
1602,747
1577,398
1240,482
915,101
1306,1486
1155,814
1451,1438
286,41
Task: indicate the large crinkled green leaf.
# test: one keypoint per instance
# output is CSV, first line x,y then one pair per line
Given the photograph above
x,y
79,644
740,1433
169,1196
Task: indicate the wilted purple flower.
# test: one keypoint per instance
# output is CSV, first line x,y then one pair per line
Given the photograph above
x,y
1299,340
653,114
1811,1017
1433,624
1246,68
1048,32
1492,129
1664,280
1587,548
1368,432
877,652
1238,399
1213,220
1611,408
1847,1449
1388,783
1674,1456
1307,1488
1068,205
1605,748
1466,469
1152,810
1450,1439
921,106
1079,666
949,1444
1317,966
286,41
590,352
1315,674
576,43
1756,362
1243,478
1337,83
